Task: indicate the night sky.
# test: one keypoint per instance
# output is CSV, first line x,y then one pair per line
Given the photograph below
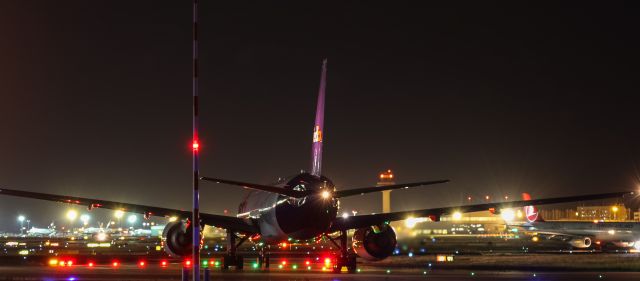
x,y
95,99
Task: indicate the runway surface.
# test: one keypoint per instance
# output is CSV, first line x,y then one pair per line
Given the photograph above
x,y
173,272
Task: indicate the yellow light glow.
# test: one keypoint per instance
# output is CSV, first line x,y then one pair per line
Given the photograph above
x,y
118,214
612,232
325,194
172,219
614,209
535,239
456,216
519,214
72,215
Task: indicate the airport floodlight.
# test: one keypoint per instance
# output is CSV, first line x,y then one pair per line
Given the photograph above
x,y
614,209
21,218
132,219
118,214
72,215
172,219
85,218
345,215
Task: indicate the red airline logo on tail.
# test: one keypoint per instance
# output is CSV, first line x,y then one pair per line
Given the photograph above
x,y
531,212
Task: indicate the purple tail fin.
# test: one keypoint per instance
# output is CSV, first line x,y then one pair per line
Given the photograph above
x,y
316,150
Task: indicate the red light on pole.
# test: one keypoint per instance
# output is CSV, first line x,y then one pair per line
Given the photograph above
x,y
195,145
163,263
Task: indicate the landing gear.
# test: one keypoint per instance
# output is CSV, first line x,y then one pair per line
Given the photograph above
x,y
345,259
232,258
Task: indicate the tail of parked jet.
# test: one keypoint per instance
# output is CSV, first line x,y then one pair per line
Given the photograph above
x,y
531,212
316,149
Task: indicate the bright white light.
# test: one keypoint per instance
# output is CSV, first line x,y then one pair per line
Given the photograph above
x,y
101,236
612,232
411,221
345,215
325,194
637,245
456,216
72,215
508,215
85,218
172,219
132,219
21,218
118,214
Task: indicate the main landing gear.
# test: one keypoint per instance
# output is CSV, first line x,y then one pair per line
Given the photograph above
x,y
345,259
232,258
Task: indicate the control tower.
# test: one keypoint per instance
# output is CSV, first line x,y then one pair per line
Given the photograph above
x,y
386,178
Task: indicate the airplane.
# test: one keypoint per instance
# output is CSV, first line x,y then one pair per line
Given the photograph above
x,y
302,208
34,231
582,235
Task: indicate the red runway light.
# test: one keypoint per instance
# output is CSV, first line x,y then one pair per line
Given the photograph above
x,y
187,263
196,145
142,263
163,263
307,262
69,263
90,264
115,264
284,262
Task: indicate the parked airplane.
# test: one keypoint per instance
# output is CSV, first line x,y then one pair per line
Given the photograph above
x,y
34,231
303,208
581,234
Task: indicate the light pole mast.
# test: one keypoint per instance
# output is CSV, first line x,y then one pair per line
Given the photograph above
x,y
196,148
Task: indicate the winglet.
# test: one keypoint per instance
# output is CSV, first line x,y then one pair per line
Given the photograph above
x,y
318,127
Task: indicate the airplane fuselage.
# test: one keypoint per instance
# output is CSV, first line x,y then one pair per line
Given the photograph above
x,y
282,218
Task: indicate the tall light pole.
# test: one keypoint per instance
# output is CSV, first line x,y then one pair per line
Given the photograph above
x,y
196,148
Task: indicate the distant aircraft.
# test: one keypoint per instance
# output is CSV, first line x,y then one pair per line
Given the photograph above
x,y
580,234
34,231
301,209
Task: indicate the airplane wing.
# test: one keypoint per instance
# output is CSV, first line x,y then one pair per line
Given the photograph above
x,y
363,190
209,219
336,194
268,188
352,222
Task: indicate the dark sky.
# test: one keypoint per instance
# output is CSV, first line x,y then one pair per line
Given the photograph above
x,y
95,99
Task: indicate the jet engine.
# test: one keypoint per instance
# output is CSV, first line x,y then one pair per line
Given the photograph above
x,y
580,242
375,242
177,237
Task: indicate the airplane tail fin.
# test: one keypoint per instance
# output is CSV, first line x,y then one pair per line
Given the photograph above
x,y
531,212
316,149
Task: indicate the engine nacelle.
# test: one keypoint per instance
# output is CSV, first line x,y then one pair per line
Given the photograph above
x,y
375,242
581,242
177,237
